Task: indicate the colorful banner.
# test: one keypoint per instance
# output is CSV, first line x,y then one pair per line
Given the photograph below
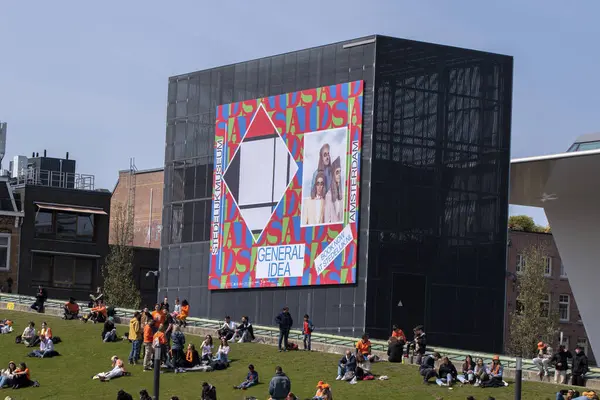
x,y
286,187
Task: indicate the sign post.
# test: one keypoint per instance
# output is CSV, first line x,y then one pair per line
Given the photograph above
x,y
156,372
518,378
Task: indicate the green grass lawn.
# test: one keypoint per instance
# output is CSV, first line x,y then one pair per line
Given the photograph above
x,y
83,354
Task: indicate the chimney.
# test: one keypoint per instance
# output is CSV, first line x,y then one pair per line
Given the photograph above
x,y
67,155
37,154
33,155
44,152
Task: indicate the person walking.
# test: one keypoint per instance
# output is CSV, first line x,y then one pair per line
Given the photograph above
x,y
285,322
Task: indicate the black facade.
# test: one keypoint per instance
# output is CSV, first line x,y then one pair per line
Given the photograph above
x,y
64,240
434,189
145,262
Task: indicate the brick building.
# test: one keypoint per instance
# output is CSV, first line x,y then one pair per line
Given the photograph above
x,y
561,295
10,222
145,189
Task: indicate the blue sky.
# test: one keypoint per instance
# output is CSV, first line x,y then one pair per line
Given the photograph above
x,y
91,78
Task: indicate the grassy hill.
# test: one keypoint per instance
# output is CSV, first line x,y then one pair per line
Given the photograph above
x,y
83,354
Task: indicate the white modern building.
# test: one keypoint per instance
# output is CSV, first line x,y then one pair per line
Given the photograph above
x,y
567,187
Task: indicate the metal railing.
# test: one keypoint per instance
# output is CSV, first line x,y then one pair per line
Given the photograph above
x,y
455,355
40,177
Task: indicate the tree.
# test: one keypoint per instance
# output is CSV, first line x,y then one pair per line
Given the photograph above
x,y
526,224
533,319
119,287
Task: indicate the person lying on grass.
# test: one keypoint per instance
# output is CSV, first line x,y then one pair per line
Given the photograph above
x,y
46,349
118,369
251,379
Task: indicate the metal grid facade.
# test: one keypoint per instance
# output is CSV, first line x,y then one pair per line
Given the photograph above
x,y
434,189
184,263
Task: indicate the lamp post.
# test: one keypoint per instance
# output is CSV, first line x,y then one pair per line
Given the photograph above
x,y
518,378
156,372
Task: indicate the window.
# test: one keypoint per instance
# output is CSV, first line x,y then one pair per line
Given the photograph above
x,y
85,227
520,263
564,301
545,307
564,341
44,226
583,343
4,252
563,273
177,224
62,271
66,226
547,266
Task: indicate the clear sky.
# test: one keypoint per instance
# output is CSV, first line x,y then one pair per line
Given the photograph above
x,y
91,77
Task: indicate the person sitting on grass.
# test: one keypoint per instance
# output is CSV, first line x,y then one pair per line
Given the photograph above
x,y
495,371
468,374
192,359
144,395
109,332
446,372
363,350
7,375
22,377
209,392
427,368
6,326
118,369
228,329
244,331
71,309
29,337
46,349
323,392
177,347
569,394
99,313
480,372
346,365
223,351
280,385
291,396
395,350
251,379
46,331
207,348
185,312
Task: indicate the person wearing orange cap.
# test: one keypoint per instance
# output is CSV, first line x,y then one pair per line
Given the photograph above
x,y
542,361
323,391
495,371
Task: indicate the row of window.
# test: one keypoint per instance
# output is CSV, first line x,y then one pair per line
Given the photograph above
x,y
64,226
63,271
581,342
548,267
564,307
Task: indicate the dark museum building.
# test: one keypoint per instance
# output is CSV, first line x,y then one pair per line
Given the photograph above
x,y
434,190
64,233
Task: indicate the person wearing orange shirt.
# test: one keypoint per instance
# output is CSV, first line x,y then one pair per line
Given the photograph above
x,y
71,309
21,377
45,331
185,311
160,340
97,314
363,349
148,339
398,334
158,316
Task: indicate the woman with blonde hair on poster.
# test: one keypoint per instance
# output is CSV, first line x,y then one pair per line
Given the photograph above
x,y
324,165
314,206
334,209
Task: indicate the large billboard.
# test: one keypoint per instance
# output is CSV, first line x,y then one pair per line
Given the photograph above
x,y
286,186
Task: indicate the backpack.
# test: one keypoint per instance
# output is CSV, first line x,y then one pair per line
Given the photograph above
x,y
292,346
18,339
56,339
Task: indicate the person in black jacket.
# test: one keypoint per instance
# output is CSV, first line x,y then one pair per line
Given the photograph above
x,y
580,367
395,349
346,364
419,343
209,392
427,368
561,365
446,372
40,299
285,322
